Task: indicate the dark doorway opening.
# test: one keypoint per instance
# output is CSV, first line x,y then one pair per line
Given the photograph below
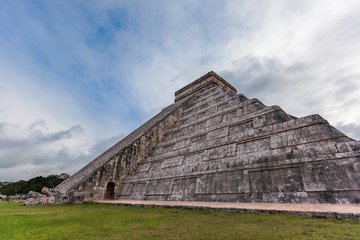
x,y
110,190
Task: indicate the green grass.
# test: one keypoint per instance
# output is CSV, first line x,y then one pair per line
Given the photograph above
x,y
97,221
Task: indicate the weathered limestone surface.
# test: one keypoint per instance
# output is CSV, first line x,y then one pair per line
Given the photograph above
x,y
215,145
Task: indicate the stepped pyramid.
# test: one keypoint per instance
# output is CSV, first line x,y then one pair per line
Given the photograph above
x,y
213,144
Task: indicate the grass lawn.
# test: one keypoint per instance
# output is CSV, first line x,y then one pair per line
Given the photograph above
x,y
97,221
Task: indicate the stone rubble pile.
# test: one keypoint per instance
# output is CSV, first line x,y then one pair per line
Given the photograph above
x,y
46,197
50,196
3,197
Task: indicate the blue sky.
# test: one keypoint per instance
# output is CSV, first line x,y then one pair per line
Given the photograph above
x,y
77,76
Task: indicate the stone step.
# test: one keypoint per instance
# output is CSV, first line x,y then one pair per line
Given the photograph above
x,y
217,98
275,131
208,92
202,99
219,103
265,118
195,166
244,108
239,114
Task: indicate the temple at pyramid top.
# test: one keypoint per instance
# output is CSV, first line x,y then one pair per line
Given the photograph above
x,y
209,78
213,144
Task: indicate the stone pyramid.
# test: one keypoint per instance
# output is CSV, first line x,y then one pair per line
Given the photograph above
x,y
213,144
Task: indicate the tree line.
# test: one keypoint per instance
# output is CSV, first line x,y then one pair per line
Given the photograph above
x,y
33,184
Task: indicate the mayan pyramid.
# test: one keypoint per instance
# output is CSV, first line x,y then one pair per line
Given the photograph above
x,y
213,144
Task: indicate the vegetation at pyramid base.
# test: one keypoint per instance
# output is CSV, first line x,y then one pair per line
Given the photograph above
x,y
33,184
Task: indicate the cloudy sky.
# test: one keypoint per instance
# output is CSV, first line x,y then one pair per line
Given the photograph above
x,y
77,76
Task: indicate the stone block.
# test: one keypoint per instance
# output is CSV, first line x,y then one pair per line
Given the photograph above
x,y
125,189
172,162
159,187
143,167
219,152
221,183
276,180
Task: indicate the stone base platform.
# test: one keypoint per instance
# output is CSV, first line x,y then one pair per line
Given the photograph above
x,y
331,211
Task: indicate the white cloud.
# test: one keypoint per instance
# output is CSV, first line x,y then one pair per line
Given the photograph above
x,y
35,150
299,55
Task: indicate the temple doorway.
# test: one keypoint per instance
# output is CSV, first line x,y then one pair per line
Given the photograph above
x,y
110,190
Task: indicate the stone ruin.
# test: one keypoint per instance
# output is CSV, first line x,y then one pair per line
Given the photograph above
x,y
46,197
213,144
3,197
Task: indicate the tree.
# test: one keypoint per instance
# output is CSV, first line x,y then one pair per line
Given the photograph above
x,y
64,176
14,188
34,184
